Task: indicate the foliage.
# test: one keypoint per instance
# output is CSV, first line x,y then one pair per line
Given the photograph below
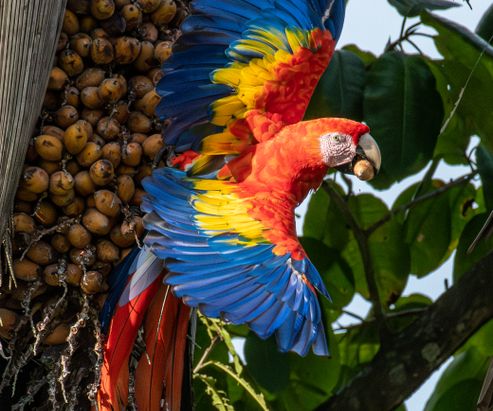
x,y
423,112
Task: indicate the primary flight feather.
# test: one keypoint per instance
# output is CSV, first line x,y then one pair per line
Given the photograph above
x,y
220,224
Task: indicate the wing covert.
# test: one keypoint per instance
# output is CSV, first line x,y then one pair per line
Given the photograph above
x,y
242,55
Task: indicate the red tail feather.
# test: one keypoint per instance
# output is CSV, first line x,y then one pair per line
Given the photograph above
x,y
113,390
160,370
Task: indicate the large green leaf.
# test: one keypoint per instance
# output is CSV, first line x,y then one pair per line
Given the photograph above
x,y
266,364
468,68
463,261
411,8
485,25
481,340
484,158
340,90
459,386
433,227
323,220
404,111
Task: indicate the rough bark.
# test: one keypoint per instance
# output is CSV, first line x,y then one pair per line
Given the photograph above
x,y
28,37
410,356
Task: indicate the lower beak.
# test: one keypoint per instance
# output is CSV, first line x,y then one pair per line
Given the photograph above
x,y
367,160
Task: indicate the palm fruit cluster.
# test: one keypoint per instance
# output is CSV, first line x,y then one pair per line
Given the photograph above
x,y
76,212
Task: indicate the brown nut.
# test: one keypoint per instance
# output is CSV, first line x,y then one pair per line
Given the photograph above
x,y
91,153
41,253
60,243
102,172
132,15
91,99
23,194
75,208
107,202
78,236
91,116
58,79
70,23
81,44
139,122
70,62
162,51
102,51
35,179
48,147
87,24
46,213
65,116
125,188
112,89
102,9
83,257
364,170
108,128
132,154
8,323
58,336
107,252
164,13
23,223
145,61
26,270
148,103
53,131
153,145
91,77
61,182
63,199
71,96
96,222
92,282
148,6
84,184
127,49
140,86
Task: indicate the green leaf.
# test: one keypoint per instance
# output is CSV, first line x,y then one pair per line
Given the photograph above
x,y
218,397
323,221
459,386
468,68
484,158
337,276
404,111
485,25
389,253
340,90
367,56
268,367
411,8
312,379
464,262
481,340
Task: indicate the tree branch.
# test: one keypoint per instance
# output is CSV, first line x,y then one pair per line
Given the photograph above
x,y
418,200
401,366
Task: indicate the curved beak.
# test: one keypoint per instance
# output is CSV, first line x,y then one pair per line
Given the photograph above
x,y
367,161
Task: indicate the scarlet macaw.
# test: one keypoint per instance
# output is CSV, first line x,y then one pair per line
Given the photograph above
x,y
221,235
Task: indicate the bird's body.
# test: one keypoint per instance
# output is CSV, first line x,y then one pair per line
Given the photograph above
x,y
220,224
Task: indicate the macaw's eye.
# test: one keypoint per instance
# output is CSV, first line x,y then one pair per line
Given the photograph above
x,y
337,138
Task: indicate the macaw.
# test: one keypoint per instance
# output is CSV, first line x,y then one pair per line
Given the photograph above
x,y
220,221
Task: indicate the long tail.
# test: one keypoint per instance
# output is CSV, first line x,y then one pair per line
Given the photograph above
x,y
160,370
136,283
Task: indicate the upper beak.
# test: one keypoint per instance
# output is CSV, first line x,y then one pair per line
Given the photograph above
x,y
367,161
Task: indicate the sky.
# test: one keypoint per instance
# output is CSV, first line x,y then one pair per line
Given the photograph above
x,y
370,24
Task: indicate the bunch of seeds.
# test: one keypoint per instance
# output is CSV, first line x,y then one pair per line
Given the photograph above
x,y
76,209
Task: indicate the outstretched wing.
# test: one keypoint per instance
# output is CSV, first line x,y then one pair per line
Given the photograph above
x,y
242,55
232,265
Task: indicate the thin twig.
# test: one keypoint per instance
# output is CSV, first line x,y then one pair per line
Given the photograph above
x,y
419,200
201,363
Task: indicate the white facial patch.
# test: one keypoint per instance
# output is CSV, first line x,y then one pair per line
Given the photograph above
x,y
337,149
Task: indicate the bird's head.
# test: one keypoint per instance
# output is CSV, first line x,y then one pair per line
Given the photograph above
x,y
347,146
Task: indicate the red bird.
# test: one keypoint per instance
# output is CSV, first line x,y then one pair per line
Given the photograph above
x,y
221,235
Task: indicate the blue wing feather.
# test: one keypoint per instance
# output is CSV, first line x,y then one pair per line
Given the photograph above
x,y
217,273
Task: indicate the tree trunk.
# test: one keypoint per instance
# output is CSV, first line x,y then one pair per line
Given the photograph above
x,y
29,31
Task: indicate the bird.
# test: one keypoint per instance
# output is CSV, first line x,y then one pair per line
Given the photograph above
x,y
220,223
